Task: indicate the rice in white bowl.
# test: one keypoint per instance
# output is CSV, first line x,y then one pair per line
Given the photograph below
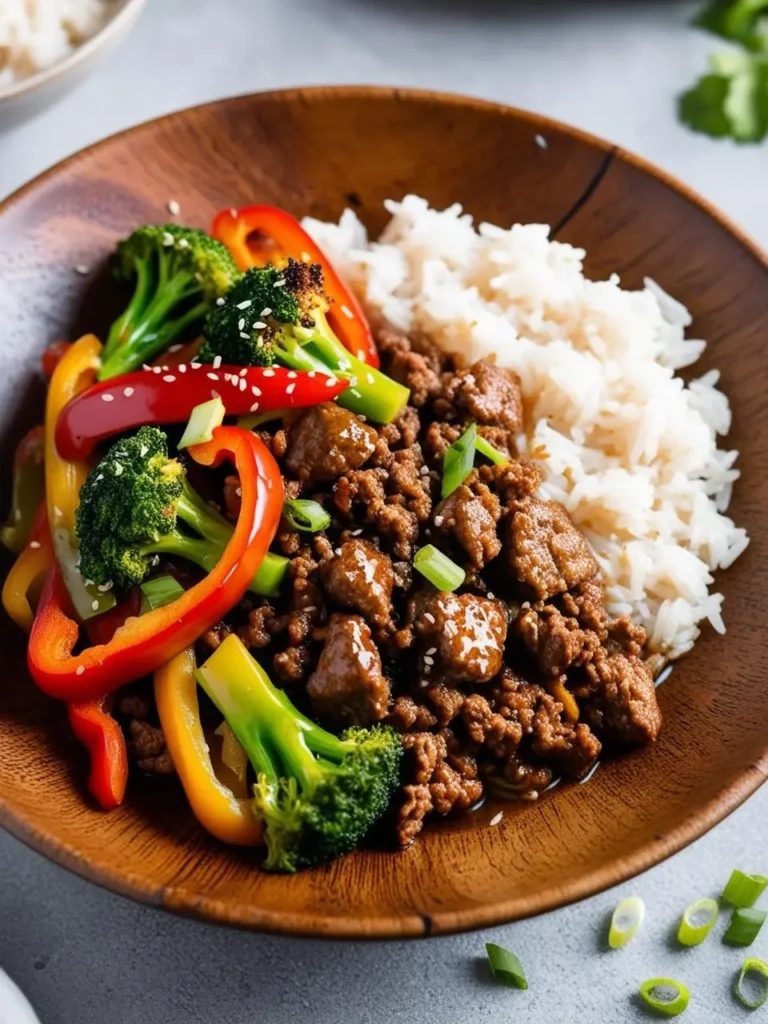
x,y
36,34
627,447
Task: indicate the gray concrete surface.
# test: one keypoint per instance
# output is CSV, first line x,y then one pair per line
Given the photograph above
x,y
86,957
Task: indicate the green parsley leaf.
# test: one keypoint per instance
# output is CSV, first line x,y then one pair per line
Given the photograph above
x,y
742,21
732,100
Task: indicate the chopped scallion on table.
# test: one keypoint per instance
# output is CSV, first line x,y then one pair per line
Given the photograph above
x,y
744,926
626,922
458,461
306,515
203,420
751,986
438,568
158,592
505,966
665,995
697,921
744,890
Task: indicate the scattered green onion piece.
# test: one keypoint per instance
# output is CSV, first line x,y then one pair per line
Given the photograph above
x,y
744,890
157,592
486,448
306,515
697,921
458,461
755,973
665,995
203,420
626,922
438,568
505,966
744,926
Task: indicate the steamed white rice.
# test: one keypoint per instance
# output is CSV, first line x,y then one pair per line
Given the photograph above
x,y
36,34
626,446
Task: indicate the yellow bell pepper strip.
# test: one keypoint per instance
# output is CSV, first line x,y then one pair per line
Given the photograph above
x,y
74,373
28,490
215,806
145,643
27,573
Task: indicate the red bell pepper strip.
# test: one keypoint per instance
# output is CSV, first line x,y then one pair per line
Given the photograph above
x,y
120,403
52,356
256,235
102,737
143,644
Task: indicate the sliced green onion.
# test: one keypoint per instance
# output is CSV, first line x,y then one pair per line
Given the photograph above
x,y
306,515
157,592
438,568
697,921
486,448
458,461
751,986
203,420
626,922
505,966
744,890
744,926
665,995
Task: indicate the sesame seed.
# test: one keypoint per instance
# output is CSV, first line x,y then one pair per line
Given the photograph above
x,y
95,605
254,407
157,369
347,312
173,208
363,419
290,389
182,367
259,325
429,617
292,374
82,269
79,670
118,469
220,301
216,362
195,366
183,243
331,382
143,450
127,392
491,595
353,382
212,376
176,348
542,143
34,544
107,398
269,373
167,238
244,335
280,282
337,551
356,533
88,583
146,366
424,683
104,587
439,520
266,311
432,650
496,818
241,323
169,378
355,392
244,371
245,304
370,378
429,661
255,391
215,393
243,383
239,492
424,471
312,373
99,477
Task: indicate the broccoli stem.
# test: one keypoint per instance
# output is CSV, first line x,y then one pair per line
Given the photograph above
x,y
373,394
279,740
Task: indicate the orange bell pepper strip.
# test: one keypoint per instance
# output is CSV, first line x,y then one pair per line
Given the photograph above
x,y
143,644
226,816
256,235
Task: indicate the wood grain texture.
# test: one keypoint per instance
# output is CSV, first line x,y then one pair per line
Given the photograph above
x,y
316,151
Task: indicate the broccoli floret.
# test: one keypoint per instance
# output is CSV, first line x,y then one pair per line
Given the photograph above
x,y
129,512
178,275
318,794
278,315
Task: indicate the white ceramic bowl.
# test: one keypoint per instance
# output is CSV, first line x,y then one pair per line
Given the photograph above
x,y
27,97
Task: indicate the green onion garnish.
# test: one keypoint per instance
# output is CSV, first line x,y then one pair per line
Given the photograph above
x,y
744,926
751,986
486,448
697,921
203,420
665,995
438,568
505,966
305,515
626,922
744,890
458,461
157,592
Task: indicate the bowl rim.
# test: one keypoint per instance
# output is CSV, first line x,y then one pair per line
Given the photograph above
x,y
120,19
307,924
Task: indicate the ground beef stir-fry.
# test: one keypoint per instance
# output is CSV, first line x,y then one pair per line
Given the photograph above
x,y
513,681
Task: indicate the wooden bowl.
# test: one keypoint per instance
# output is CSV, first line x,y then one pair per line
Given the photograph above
x,y
314,152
